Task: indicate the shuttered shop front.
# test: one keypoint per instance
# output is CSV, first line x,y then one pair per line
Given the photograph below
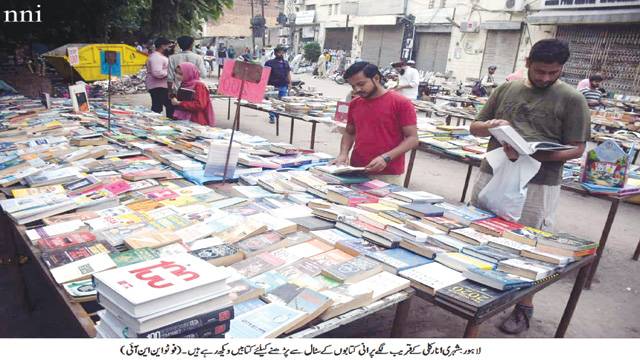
x,y
338,39
382,44
613,50
432,51
501,50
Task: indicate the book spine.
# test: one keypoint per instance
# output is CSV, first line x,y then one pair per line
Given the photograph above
x,y
187,326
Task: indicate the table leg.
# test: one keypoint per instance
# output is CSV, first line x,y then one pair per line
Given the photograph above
x,y
472,329
400,320
573,301
457,121
228,108
637,253
412,159
466,183
293,121
277,124
447,120
313,135
603,241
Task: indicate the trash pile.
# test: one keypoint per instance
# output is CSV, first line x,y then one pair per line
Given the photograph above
x,y
128,84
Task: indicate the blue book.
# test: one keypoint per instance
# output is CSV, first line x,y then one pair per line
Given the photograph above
x,y
269,280
198,177
488,253
467,214
398,259
495,279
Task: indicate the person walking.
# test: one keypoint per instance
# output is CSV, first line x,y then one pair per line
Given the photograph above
x,y
280,76
408,81
156,81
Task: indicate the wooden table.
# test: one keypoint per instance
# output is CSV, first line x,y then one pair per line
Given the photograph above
x,y
604,236
75,318
293,117
475,320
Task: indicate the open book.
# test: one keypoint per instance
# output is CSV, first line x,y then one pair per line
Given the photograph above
x,y
507,134
340,169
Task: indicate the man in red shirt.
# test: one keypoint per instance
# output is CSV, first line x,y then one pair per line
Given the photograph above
x,y
381,126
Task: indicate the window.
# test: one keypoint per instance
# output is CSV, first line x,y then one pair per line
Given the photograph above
x,y
330,10
311,7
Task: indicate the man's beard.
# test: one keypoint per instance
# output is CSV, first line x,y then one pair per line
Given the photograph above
x,y
540,87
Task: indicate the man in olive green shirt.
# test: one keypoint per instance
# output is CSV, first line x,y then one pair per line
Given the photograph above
x,y
540,108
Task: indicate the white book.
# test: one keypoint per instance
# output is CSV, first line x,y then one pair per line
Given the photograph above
x,y
253,192
169,315
27,216
528,269
53,230
509,245
434,276
291,212
31,202
267,321
382,284
83,268
148,287
507,134
217,158
281,225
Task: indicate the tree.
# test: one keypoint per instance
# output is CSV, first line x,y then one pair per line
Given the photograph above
x,y
87,21
312,51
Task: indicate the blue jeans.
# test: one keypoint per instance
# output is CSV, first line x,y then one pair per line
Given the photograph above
x,y
282,91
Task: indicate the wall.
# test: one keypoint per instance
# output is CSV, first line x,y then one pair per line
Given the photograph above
x,y
235,22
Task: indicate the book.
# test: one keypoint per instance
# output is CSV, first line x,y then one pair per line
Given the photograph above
x,y
422,248
312,223
527,235
145,288
167,315
568,242
344,299
495,279
262,243
312,303
356,246
248,305
282,294
527,268
48,231
309,248
489,254
495,226
51,189
257,265
331,257
417,197
354,270
511,246
422,209
473,297
507,134
147,238
83,268
341,169
243,290
268,280
185,94
539,255
407,233
395,260
267,321
467,214
346,196
471,236
447,242
220,255
80,290
397,216
375,208
79,98
461,262
431,277
382,238
134,256
383,284
332,236
73,253
65,240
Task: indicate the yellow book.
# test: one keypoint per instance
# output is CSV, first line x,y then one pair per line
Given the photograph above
x,y
376,207
53,189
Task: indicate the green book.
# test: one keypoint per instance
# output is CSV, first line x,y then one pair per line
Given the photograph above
x,y
134,256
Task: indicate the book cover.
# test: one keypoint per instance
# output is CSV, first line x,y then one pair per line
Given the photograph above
x,y
312,303
382,284
83,268
495,226
475,297
145,288
134,256
354,270
417,197
219,255
66,240
461,262
73,253
420,209
399,259
267,321
432,277
312,223
495,279
256,265
489,254
261,243
268,280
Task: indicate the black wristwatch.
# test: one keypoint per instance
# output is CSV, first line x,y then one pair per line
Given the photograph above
x,y
386,158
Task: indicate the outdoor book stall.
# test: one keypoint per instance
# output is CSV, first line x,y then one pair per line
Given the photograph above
x,y
286,236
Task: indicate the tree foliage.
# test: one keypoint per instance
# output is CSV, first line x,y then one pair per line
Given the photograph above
x,y
75,21
312,51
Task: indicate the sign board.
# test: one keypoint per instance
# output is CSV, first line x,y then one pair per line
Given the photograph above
x,y
349,7
305,17
341,111
230,85
74,57
110,59
564,4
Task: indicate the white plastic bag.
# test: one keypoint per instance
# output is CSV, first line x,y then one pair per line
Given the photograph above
x,y
506,192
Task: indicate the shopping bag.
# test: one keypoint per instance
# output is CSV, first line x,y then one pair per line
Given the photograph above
x,y
506,192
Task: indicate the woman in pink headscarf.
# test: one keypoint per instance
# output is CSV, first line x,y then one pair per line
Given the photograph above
x,y
198,109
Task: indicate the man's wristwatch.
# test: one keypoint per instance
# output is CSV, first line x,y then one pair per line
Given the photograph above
x,y
386,158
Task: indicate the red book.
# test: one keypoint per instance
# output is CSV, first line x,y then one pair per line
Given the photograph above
x,y
66,240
